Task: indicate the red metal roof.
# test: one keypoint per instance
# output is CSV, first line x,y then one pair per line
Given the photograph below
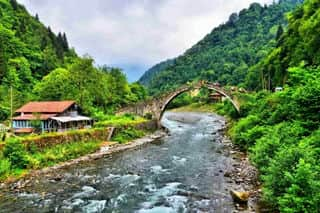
x,y
28,117
46,107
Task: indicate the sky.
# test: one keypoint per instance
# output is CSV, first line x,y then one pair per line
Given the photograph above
x,y
134,34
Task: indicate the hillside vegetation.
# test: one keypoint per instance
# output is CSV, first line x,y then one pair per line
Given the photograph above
x,y
226,54
39,65
281,130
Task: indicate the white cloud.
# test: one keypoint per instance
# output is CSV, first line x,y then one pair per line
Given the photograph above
x,y
134,33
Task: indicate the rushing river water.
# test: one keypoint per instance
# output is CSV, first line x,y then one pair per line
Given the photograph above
x,y
182,172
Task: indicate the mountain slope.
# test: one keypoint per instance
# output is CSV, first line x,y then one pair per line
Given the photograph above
x,y
298,46
226,54
24,37
28,51
154,70
37,65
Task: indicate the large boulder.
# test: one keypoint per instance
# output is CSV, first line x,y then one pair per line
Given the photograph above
x,y
240,197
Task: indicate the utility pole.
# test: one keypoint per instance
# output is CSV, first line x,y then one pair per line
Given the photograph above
x,y
11,106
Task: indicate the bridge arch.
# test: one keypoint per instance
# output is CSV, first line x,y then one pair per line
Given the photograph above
x,y
182,90
157,106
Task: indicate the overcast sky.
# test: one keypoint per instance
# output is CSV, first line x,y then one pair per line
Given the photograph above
x,y
134,34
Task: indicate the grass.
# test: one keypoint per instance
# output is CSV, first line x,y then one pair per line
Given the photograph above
x,y
196,107
120,121
16,160
62,152
35,159
129,134
53,134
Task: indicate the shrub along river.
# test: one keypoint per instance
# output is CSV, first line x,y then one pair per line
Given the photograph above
x,y
182,172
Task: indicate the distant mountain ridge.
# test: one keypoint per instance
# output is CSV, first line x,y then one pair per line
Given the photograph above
x,y
226,54
156,68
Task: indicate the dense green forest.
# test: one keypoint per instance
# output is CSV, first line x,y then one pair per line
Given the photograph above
x,y
39,65
298,46
226,54
280,130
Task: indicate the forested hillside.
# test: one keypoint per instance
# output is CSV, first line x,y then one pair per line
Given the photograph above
x,y
226,54
155,69
39,65
281,130
298,46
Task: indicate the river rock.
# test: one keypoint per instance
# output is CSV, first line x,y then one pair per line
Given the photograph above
x,y
227,174
240,197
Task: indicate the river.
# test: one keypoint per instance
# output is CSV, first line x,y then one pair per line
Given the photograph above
x,y
182,172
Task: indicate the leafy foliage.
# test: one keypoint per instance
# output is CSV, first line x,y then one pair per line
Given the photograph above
x,y
128,134
119,121
16,153
299,45
281,132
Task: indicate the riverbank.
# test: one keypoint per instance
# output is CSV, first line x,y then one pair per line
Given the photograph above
x,y
243,173
21,155
193,168
244,176
106,149
195,107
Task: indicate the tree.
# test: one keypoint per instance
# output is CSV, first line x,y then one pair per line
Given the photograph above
x,y
65,42
37,17
119,86
14,4
21,67
83,76
3,61
280,31
138,92
55,86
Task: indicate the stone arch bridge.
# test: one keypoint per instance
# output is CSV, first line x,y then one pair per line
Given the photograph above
x,y
157,106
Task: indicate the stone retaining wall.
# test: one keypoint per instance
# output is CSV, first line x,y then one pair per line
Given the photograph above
x,y
99,134
49,140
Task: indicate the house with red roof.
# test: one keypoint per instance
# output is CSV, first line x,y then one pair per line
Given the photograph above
x,y
50,116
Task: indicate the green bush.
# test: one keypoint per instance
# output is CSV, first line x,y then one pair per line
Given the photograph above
x,y
63,152
120,121
283,134
238,131
248,138
292,178
303,194
5,166
226,108
16,152
126,135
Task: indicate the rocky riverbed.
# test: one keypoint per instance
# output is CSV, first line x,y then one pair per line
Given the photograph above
x,y
192,169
